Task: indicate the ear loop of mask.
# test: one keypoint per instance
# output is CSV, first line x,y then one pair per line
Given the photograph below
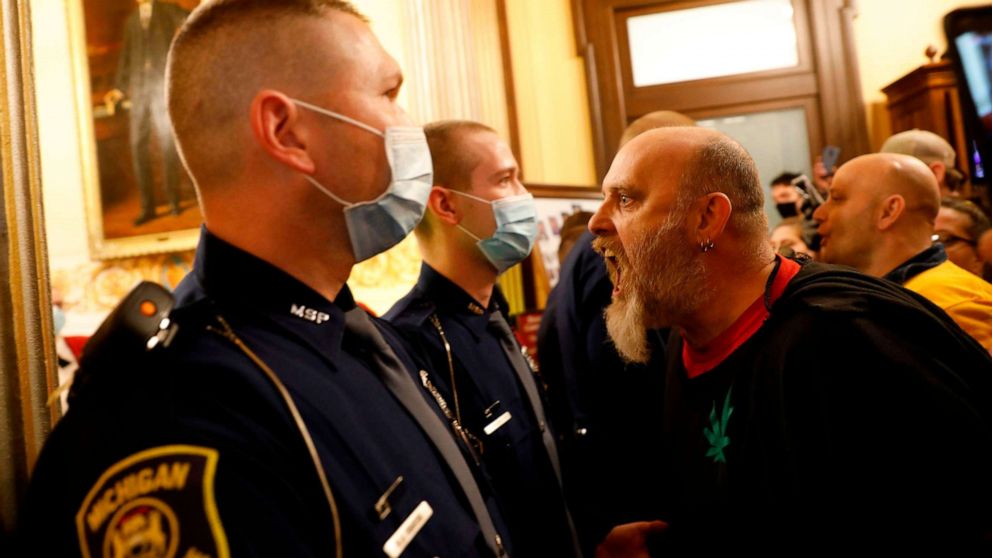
x,y
459,225
345,203
333,114
353,122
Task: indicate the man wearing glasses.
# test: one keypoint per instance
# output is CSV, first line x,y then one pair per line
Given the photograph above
x,y
959,225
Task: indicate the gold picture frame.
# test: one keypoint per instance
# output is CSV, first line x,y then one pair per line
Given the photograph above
x,y
123,191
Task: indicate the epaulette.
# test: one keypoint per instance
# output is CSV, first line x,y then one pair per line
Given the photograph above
x,y
138,325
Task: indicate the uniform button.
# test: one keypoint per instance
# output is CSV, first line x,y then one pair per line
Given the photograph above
x,y
580,432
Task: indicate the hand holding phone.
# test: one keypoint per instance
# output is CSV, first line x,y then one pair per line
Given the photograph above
x,y
829,158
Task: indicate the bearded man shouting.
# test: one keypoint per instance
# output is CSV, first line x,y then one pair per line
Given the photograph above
x,y
807,407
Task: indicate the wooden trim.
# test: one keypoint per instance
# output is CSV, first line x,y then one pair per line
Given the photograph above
x,y
586,49
604,87
27,345
596,112
839,82
511,92
927,76
561,191
579,27
827,72
719,93
857,118
803,50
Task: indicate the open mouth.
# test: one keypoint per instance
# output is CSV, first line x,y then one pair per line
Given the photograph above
x,y
616,271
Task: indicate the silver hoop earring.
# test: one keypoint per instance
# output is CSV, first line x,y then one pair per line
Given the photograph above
x,y
706,246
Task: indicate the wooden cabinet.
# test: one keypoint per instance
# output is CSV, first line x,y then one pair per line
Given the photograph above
x,y
927,98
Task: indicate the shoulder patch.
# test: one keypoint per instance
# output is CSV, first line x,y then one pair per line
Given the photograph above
x,y
156,503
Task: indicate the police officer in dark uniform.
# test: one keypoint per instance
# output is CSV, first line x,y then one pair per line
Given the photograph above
x,y
269,415
481,222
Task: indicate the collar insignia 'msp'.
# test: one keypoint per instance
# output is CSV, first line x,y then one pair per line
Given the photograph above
x,y
158,503
315,316
476,309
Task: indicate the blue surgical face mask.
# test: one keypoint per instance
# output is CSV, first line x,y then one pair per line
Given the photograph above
x,y
377,225
58,319
516,229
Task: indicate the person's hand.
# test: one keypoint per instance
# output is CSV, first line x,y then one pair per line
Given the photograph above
x,y
629,540
111,98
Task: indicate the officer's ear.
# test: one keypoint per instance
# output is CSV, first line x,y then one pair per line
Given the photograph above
x,y
440,203
276,126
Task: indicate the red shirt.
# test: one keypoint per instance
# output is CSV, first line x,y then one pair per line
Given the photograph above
x,y
698,360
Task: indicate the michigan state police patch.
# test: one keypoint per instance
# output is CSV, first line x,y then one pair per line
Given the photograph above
x,y
158,503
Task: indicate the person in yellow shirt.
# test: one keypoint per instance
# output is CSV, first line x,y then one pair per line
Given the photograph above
x,y
879,219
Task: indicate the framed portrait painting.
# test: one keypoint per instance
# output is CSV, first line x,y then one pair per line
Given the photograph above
x,y
139,198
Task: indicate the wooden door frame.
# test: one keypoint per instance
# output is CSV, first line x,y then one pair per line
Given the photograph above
x,y
28,364
833,75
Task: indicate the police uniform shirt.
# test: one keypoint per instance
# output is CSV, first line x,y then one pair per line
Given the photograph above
x,y
203,413
494,407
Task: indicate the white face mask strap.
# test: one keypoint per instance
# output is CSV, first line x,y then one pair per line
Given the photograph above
x,y
470,196
342,117
327,192
468,232
476,198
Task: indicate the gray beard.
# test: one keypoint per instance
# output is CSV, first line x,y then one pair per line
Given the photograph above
x,y
625,324
667,286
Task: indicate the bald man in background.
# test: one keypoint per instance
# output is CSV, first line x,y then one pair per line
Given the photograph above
x,y
879,219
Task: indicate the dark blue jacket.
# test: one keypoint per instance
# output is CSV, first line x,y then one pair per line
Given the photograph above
x,y
488,390
250,479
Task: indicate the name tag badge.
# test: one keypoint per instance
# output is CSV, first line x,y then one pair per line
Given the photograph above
x,y
412,525
497,423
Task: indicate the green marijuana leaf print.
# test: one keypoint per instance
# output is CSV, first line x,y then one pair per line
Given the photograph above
x,y
716,434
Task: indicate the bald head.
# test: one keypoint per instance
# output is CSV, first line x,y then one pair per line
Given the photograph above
x,y
701,161
652,120
880,212
887,174
228,50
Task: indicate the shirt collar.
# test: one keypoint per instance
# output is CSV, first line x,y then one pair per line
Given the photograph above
x,y
451,300
238,280
698,360
927,259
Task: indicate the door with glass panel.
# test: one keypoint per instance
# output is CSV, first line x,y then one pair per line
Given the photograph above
x,y
778,75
